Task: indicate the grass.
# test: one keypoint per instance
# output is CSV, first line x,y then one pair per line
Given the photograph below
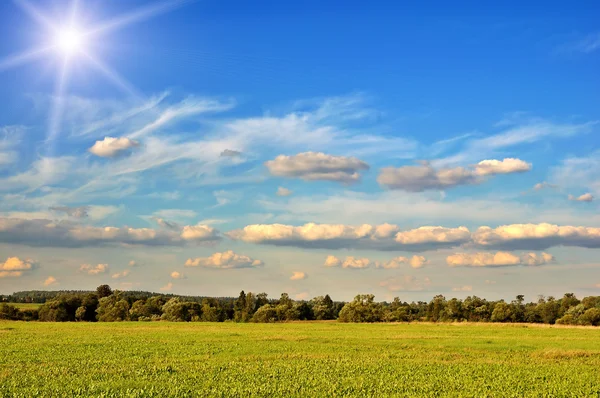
x,y
305,359
26,306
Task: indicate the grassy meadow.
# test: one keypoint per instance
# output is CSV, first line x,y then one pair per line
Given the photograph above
x,y
161,359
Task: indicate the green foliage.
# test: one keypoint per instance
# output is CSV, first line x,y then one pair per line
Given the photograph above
x,y
308,359
362,309
113,308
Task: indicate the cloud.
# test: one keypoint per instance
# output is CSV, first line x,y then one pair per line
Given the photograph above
x,y
179,215
110,146
336,236
397,262
312,166
94,269
586,197
50,281
76,212
14,267
230,153
281,191
499,259
167,288
225,260
133,263
302,296
297,275
47,233
543,185
579,173
589,44
120,275
465,288
506,166
536,236
406,283
177,275
489,282
349,262
425,177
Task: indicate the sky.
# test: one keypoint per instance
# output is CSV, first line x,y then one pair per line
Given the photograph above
x,y
205,147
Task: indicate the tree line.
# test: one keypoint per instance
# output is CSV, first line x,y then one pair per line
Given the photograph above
x,y
106,305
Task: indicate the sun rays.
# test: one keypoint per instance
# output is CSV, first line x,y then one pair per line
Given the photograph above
x,y
69,42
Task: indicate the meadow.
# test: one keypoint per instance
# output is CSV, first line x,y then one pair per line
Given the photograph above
x,y
160,359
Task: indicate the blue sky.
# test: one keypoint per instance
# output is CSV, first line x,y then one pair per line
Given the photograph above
x,y
204,147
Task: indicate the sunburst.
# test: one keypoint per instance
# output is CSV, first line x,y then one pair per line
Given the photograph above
x,y
69,41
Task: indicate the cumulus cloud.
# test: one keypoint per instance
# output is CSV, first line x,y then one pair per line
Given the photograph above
x,y
349,262
48,233
177,275
336,236
94,269
167,288
406,283
506,166
14,267
121,274
281,191
499,259
313,166
225,260
397,262
465,288
133,263
76,212
586,197
110,146
230,153
425,177
536,236
50,281
297,275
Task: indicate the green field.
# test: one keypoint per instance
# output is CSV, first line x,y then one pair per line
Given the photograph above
x,y
163,359
26,306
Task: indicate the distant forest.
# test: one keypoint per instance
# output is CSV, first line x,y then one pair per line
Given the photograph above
x,y
106,305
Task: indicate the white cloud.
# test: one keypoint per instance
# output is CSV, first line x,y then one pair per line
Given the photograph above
x,y
313,166
425,177
536,236
177,275
120,275
14,267
499,259
298,275
335,236
48,233
167,288
225,260
579,173
75,212
110,146
178,215
349,262
397,262
281,191
133,263
50,281
543,185
586,197
465,288
302,296
94,269
405,283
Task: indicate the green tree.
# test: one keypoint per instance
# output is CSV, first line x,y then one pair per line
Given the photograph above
x,y
113,308
103,291
362,309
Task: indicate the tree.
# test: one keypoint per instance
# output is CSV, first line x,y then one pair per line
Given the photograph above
x,y
265,314
362,309
103,291
113,308
239,309
322,307
502,312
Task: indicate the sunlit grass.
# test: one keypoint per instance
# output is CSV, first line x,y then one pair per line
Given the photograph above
x,y
296,359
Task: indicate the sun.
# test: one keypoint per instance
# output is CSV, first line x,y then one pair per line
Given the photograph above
x,y
69,40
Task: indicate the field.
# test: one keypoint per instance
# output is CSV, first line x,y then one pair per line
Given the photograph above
x,y
26,306
163,359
